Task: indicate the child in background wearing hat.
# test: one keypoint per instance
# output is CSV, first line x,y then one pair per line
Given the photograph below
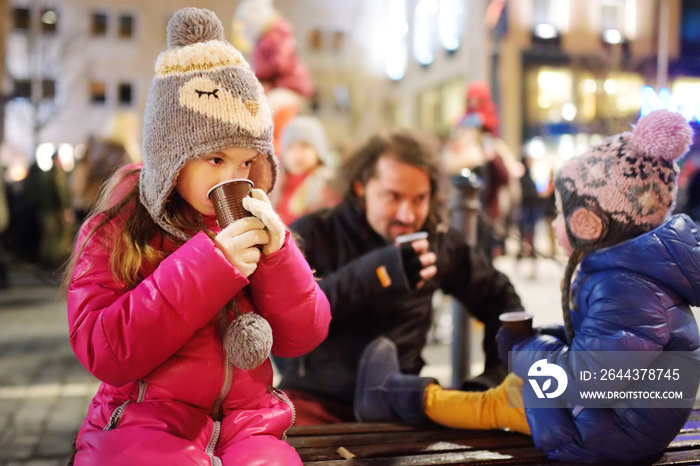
x,y
305,181
175,316
638,273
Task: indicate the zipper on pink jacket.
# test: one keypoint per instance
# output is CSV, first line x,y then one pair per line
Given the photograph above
x,y
280,395
228,372
119,411
211,445
225,389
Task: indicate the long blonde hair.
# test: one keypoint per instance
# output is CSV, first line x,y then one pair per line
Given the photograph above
x,y
131,247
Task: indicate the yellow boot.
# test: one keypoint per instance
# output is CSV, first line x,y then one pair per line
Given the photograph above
x,y
479,410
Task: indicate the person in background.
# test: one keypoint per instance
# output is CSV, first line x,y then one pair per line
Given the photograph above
x,y
549,210
474,143
305,177
638,276
262,30
378,287
174,315
530,213
100,161
4,224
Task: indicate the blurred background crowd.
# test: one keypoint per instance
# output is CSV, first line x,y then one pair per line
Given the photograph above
x,y
506,89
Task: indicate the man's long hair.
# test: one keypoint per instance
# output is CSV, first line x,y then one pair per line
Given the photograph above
x,y
405,145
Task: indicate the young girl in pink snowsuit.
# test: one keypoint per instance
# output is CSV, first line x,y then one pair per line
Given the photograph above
x,y
175,316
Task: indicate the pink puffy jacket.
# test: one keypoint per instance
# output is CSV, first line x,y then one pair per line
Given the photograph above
x,y
168,395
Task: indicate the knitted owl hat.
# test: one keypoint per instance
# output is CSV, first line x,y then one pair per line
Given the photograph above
x,y
204,98
621,188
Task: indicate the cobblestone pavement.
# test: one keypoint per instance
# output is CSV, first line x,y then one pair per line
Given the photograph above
x,y
44,391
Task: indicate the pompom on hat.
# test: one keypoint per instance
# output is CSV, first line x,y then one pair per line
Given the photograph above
x,y
204,98
626,185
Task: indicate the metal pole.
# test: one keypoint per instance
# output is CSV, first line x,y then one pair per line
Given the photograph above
x,y
662,52
4,32
464,213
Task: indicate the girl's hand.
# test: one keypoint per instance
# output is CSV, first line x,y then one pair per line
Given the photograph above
x,y
239,243
259,205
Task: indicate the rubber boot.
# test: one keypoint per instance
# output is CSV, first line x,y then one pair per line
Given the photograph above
x,y
479,410
382,392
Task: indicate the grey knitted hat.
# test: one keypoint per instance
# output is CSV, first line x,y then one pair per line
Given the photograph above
x,y
204,98
309,130
628,181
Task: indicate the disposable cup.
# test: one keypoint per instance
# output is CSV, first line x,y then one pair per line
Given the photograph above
x,y
519,321
411,237
227,198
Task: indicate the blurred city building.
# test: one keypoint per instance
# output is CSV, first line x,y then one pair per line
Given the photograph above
x,y
571,72
563,72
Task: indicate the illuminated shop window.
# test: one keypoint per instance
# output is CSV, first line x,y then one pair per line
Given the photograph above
x,y
396,41
450,22
622,96
425,31
553,100
587,96
565,95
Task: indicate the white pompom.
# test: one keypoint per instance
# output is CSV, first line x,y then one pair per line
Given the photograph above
x,y
248,341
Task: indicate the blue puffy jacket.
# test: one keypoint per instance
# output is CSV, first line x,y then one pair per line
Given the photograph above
x,y
634,296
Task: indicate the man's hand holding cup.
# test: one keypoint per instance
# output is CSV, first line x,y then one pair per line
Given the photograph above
x,y
418,261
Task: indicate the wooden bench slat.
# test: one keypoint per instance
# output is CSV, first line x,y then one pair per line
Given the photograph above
x,y
399,437
418,447
352,428
505,457
670,458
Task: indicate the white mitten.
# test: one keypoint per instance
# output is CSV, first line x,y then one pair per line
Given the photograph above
x,y
238,241
259,205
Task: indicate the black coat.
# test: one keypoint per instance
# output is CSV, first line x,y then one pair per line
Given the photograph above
x,y
345,253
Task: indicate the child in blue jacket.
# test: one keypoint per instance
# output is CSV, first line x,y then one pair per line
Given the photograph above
x,y
632,275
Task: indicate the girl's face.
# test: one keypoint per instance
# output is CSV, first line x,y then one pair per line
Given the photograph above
x,y
199,175
559,225
299,158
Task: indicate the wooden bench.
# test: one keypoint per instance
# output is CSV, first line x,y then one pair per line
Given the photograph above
x,y
403,445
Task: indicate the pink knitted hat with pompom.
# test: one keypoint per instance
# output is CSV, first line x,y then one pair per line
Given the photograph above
x,y
628,181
